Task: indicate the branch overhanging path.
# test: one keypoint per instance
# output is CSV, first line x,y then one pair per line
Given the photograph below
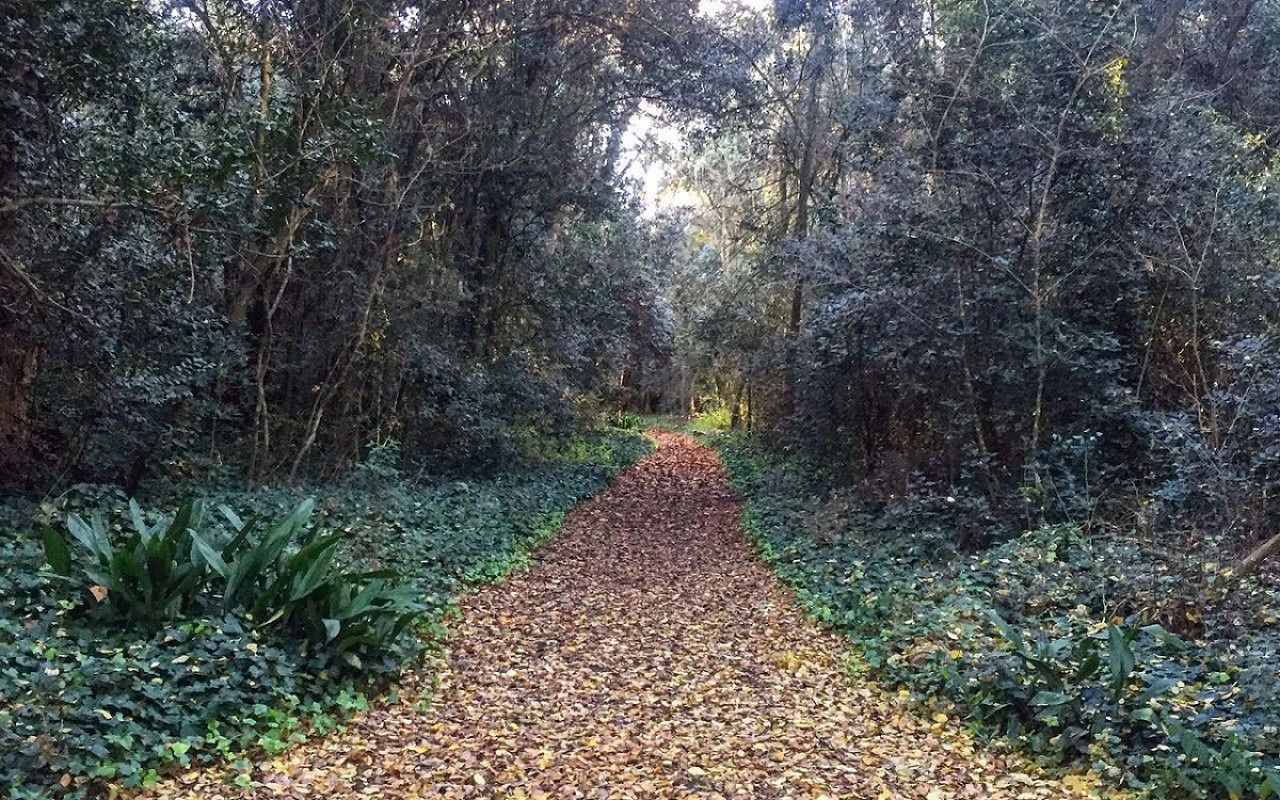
x,y
648,654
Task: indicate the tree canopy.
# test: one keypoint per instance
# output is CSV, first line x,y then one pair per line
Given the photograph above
x,y
275,233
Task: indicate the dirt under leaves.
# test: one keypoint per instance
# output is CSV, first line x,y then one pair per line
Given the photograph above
x,y
648,654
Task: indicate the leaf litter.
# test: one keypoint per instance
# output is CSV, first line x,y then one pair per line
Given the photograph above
x,y
647,654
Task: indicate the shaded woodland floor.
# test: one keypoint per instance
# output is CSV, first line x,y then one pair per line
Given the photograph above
x,y
648,654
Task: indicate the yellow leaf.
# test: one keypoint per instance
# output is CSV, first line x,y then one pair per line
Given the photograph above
x,y
939,717
1078,783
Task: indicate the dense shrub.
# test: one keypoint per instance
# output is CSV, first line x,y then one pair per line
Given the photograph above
x,y
1220,462
1048,638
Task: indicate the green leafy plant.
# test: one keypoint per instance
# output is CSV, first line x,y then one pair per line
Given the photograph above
x,y
714,420
279,576
284,575
626,421
152,575
263,576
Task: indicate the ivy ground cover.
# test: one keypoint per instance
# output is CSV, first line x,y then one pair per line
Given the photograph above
x,y
94,700
1046,640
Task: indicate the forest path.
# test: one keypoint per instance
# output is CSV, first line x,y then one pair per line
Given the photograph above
x,y
648,654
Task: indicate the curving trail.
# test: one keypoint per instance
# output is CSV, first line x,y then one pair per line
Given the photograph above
x,y
647,655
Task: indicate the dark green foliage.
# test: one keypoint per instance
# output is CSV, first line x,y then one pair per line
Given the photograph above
x,y
295,605
231,236
1007,247
150,576
626,421
1004,267
275,576
111,704
1046,638
1222,476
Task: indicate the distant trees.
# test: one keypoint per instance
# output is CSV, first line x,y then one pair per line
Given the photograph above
x,y
271,233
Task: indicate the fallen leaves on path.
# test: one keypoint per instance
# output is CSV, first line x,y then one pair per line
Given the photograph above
x,y
647,655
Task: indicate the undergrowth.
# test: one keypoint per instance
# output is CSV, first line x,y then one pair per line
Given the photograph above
x,y
92,696
1047,639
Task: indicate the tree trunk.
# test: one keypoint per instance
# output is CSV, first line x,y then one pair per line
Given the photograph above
x,y
735,416
17,370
